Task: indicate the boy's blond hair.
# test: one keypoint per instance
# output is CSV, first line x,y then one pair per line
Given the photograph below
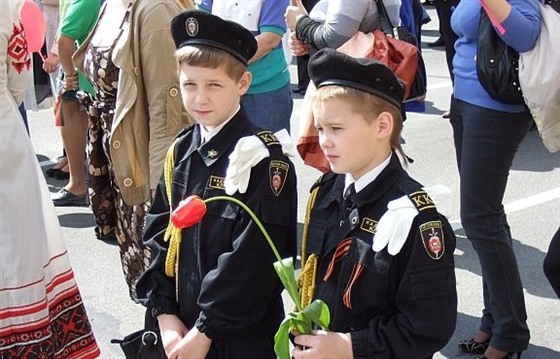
x,y
367,105
212,58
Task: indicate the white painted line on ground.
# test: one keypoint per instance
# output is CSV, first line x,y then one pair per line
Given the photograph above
x,y
440,85
521,204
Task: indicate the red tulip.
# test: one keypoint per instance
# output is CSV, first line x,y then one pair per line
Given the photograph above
x,y
189,212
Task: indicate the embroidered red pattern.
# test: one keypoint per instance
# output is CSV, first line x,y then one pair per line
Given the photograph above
x,y
66,333
17,49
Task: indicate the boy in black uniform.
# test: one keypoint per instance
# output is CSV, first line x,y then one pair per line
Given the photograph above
x,y
398,299
223,299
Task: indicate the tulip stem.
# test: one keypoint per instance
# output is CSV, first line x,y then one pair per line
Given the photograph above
x,y
253,216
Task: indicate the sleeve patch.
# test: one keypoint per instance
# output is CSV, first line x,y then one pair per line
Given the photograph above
x,y
17,49
432,238
278,173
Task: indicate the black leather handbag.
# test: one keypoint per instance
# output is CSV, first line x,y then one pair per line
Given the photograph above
x,y
497,64
144,343
419,85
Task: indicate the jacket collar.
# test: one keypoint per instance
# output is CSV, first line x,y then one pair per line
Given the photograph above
x,y
221,143
372,192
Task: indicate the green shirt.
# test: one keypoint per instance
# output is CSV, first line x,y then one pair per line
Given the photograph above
x,y
78,20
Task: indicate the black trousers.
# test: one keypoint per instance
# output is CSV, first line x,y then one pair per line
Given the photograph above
x,y
444,9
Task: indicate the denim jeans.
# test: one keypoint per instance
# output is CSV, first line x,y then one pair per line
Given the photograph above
x,y
485,143
270,110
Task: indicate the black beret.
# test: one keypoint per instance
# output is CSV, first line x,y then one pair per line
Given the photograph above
x,y
195,27
330,67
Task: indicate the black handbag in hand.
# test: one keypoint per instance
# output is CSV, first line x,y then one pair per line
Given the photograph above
x,y
497,64
143,344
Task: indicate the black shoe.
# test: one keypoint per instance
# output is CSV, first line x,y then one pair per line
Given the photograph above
x,y
470,346
62,175
446,114
67,198
438,43
51,172
300,90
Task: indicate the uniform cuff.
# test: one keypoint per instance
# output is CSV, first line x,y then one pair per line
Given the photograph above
x,y
361,348
208,326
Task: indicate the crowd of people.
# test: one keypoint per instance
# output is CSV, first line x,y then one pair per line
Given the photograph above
x,y
168,104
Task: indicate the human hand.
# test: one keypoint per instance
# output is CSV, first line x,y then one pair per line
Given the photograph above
x,y
50,64
293,13
297,46
323,344
70,82
172,331
195,345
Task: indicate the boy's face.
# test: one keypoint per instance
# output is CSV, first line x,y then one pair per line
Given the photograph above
x,y
350,142
210,95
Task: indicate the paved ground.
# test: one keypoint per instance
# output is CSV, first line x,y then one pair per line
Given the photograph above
x,y
532,202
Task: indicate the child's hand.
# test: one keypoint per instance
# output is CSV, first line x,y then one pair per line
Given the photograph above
x,y
322,345
172,331
194,345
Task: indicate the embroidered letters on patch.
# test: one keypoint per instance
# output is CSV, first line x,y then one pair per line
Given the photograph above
x,y
432,238
278,172
369,225
216,182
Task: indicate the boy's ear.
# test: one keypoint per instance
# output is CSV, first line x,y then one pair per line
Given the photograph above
x,y
245,82
385,124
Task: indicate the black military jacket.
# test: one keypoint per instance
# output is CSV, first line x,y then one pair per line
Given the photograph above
x,y
395,307
226,285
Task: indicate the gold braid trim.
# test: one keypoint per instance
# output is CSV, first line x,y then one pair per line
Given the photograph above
x,y
307,280
172,233
309,266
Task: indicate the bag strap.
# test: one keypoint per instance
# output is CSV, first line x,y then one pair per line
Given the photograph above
x,y
386,24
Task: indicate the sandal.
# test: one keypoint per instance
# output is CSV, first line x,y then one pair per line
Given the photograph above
x,y
473,347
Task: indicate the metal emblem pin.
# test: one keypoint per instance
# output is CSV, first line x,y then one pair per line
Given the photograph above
x,y
191,26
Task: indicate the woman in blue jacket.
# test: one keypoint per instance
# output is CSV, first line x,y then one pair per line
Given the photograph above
x,y
487,134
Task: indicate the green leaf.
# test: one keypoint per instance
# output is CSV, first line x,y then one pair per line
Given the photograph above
x,y
286,273
318,312
282,340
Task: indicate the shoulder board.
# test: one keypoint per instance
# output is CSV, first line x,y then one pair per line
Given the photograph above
x,y
422,200
184,131
324,178
268,138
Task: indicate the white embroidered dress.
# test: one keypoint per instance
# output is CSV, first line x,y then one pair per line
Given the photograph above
x,y
41,311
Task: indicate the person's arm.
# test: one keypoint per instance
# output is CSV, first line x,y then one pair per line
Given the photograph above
x,y
342,21
517,21
66,47
78,21
267,41
239,291
161,83
18,66
272,27
426,301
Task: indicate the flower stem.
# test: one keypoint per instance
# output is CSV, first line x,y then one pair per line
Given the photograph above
x,y
253,216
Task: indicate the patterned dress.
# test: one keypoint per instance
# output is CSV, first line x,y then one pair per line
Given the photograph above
x,y
113,217
41,310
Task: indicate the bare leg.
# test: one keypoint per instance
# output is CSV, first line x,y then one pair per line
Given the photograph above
x,y
74,137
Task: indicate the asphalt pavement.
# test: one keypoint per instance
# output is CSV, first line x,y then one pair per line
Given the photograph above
x,y
532,202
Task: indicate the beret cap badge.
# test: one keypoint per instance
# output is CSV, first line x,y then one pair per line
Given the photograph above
x,y
198,28
191,26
